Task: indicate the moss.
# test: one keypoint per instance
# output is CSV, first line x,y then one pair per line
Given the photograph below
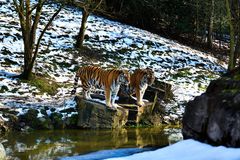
x,y
44,85
237,77
231,91
181,73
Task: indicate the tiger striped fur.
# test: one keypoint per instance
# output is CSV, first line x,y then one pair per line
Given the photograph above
x,y
139,81
96,77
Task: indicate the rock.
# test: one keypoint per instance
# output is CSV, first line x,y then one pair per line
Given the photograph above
x,y
96,115
57,120
89,114
214,117
147,116
175,137
154,111
71,122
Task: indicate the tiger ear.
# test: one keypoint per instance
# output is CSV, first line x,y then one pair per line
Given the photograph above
x,y
149,69
130,71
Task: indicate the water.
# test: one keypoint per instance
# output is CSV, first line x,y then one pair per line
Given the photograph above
x,y
44,145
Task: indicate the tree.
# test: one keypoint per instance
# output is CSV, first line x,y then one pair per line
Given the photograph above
x,y
210,25
233,15
88,7
29,22
114,5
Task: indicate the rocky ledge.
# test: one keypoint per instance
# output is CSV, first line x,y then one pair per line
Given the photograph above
x,y
92,114
214,117
96,115
80,113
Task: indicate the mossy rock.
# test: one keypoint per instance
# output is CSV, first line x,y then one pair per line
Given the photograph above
x,y
57,120
43,111
32,120
45,123
30,115
71,122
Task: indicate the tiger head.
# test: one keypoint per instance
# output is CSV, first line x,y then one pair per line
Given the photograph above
x,y
149,76
124,77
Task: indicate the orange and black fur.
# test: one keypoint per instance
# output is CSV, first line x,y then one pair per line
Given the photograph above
x,y
139,81
96,77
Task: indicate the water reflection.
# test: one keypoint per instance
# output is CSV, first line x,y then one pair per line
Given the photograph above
x,y
43,145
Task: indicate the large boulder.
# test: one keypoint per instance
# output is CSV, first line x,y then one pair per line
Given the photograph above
x,y
214,117
96,115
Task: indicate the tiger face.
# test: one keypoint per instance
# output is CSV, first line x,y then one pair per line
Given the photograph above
x,y
150,76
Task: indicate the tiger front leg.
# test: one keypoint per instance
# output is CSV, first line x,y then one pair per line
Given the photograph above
x,y
113,98
108,98
139,96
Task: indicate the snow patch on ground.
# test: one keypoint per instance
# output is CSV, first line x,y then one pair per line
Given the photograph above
x,y
187,150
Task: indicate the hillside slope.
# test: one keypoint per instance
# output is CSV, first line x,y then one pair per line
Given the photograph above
x,y
113,44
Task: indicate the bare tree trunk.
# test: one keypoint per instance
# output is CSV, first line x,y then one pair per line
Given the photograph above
x,y
237,51
29,27
210,26
196,22
80,36
237,47
231,54
28,43
88,7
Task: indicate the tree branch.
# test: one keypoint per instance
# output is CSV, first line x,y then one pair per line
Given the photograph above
x,y
99,3
19,9
33,8
36,19
44,30
80,4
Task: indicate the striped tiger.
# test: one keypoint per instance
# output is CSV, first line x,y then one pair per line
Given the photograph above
x,y
96,77
139,81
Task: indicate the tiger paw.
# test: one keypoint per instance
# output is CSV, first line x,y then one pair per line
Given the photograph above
x,y
116,106
112,108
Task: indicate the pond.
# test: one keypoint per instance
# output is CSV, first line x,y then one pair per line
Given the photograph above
x,y
43,145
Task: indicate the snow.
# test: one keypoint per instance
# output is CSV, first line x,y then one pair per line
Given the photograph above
x,y
188,70
106,154
187,150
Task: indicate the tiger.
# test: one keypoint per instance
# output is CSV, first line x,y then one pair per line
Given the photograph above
x,y
139,81
96,77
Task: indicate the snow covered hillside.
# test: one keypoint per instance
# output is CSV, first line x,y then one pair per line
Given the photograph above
x,y
188,70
